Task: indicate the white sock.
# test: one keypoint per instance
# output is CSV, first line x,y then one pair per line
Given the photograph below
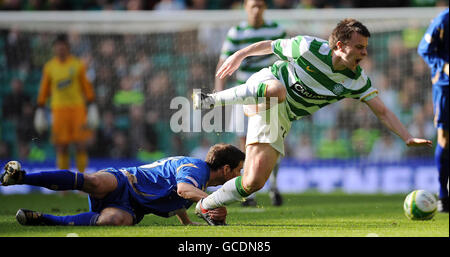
x,y
227,194
242,94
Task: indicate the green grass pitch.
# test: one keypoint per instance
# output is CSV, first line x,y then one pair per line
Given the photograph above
x,y
302,215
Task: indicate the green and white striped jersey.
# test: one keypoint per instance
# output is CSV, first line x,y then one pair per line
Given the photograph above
x,y
311,82
244,35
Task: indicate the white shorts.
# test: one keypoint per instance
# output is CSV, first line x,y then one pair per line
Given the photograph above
x,y
235,118
268,126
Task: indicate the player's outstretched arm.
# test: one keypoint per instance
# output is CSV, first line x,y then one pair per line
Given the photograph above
x,y
233,62
390,120
190,192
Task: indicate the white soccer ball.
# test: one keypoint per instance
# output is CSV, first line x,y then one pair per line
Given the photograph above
x,y
13,165
420,205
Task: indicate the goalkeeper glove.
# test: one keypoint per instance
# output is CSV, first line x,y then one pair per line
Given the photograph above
x,y
93,117
40,121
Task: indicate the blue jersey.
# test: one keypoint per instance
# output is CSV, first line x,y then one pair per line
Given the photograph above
x,y
434,48
152,188
155,185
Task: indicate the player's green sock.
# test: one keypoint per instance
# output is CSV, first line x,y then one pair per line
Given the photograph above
x,y
232,191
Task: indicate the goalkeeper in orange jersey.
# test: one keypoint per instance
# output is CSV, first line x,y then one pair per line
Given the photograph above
x,y
71,96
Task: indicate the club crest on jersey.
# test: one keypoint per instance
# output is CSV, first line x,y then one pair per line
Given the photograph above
x,y
338,89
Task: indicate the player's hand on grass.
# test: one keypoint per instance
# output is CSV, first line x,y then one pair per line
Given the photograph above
x,y
418,142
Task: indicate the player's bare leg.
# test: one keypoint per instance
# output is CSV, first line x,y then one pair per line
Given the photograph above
x,y
259,161
114,217
99,184
443,138
250,200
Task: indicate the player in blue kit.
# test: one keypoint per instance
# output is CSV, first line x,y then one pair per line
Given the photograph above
x,y
123,196
434,49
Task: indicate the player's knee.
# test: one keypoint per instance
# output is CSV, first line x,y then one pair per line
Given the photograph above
x,y
443,138
443,142
91,181
114,219
109,221
99,184
281,94
276,90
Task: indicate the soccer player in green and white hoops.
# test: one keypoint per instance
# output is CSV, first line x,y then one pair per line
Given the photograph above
x,y
311,74
254,29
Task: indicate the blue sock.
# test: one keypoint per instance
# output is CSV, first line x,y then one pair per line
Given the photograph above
x,y
82,219
442,163
55,180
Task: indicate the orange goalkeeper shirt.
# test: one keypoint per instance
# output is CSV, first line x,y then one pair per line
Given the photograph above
x,y
65,83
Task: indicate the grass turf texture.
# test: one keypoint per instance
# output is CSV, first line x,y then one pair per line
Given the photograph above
x,y
302,215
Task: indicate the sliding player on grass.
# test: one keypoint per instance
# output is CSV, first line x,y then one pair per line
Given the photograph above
x,y
122,197
311,74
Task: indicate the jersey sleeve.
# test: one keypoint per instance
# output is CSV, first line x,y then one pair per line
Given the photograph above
x,y
366,93
286,49
88,89
44,88
430,44
191,174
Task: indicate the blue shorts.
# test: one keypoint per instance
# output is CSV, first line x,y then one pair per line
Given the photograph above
x,y
119,198
441,107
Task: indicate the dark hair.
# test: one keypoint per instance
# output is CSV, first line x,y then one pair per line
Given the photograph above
x,y
61,38
220,155
344,30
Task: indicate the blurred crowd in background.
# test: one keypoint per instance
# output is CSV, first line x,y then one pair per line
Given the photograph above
x,y
135,77
132,5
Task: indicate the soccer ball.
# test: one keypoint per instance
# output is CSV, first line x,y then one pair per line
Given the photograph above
x,y
13,165
420,205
